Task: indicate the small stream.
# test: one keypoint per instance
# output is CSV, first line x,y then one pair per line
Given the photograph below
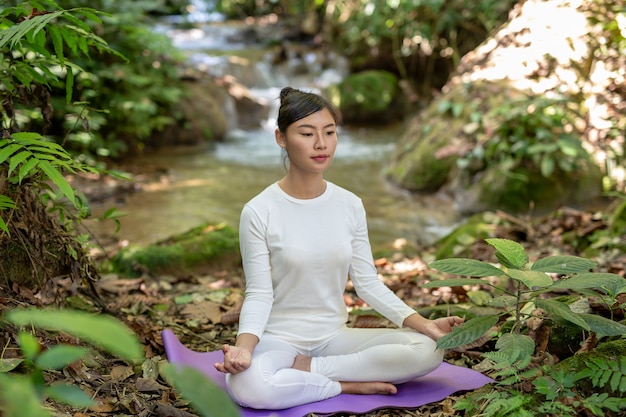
x,y
213,183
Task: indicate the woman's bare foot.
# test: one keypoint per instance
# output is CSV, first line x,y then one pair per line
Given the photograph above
x,y
302,362
368,388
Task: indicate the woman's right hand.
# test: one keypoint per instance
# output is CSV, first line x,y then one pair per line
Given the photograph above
x,y
235,360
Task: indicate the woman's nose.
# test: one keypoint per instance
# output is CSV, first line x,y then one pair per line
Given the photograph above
x,y
320,143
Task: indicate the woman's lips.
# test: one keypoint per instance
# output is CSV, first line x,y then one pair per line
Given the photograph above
x,y
320,158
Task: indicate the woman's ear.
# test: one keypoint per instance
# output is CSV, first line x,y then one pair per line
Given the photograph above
x,y
280,138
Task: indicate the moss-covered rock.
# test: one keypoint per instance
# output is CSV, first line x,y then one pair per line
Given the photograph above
x,y
202,248
369,97
606,353
426,155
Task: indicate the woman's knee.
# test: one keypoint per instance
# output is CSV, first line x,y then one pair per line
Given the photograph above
x,y
248,391
428,356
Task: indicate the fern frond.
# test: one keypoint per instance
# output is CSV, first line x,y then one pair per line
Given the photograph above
x,y
604,373
30,154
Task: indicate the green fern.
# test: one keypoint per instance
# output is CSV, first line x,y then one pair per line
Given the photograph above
x,y
32,33
5,203
606,374
597,403
29,157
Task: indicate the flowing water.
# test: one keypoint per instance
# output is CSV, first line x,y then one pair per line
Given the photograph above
x,y
213,183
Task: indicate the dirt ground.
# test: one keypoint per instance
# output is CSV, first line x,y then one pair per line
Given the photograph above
x,y
203,311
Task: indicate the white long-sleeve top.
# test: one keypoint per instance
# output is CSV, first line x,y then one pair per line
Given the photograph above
x,y
297,256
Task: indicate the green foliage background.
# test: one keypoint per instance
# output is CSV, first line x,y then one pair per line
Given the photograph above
x,y
121,95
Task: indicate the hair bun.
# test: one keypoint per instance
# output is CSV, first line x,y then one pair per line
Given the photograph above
x,y
286,91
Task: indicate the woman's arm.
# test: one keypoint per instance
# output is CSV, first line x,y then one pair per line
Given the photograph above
x,y
374,292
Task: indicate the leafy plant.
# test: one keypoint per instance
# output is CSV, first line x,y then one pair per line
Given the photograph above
x,y
530,281
34,159
555,391
21,394
78,87
533,133
23,385
203,394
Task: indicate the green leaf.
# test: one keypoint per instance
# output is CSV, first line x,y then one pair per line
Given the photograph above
x,y
27,137
6,202
3,226
603,326
206,397
512,254
563,264
467,332
103,331
557,308
531,279
69,84
18,159
59,356
547,166
480,297
57,43
504,301
7,365
19,398
69,394
598,280
26,168
7,151
29,345
457,282
510,342
462,266
91,14
56,177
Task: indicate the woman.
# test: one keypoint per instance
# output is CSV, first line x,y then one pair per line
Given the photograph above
x,y
300,240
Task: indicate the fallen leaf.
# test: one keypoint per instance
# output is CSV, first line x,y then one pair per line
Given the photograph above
x,y
149,385
120,373
202,312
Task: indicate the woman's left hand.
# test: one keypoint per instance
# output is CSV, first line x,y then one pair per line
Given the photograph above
x,y
441,326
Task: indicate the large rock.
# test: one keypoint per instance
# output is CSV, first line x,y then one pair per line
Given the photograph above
x,y
369,97
210,109
499,138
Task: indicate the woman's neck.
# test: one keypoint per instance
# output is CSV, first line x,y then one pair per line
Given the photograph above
x,y
302,188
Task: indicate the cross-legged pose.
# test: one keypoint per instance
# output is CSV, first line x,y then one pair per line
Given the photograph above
x,y
301,238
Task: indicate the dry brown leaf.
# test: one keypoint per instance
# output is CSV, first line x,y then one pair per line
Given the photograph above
x,y
120,373
103,406
203,311
231,317
149,385
119,286
166,410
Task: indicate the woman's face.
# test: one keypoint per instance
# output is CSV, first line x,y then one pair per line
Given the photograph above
x,y
310,142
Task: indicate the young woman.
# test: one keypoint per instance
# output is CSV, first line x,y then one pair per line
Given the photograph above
x,y
301,238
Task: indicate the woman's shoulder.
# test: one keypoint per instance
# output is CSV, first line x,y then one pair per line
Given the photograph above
x,y
265,197
342,194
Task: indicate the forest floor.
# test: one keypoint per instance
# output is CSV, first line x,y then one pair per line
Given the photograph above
x,y
202,310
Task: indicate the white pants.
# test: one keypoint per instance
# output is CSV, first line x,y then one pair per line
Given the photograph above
x,y
364,355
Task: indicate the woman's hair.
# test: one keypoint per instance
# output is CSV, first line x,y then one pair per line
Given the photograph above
x,y
296,104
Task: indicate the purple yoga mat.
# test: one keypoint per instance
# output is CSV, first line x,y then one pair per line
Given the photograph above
x,y
443,381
